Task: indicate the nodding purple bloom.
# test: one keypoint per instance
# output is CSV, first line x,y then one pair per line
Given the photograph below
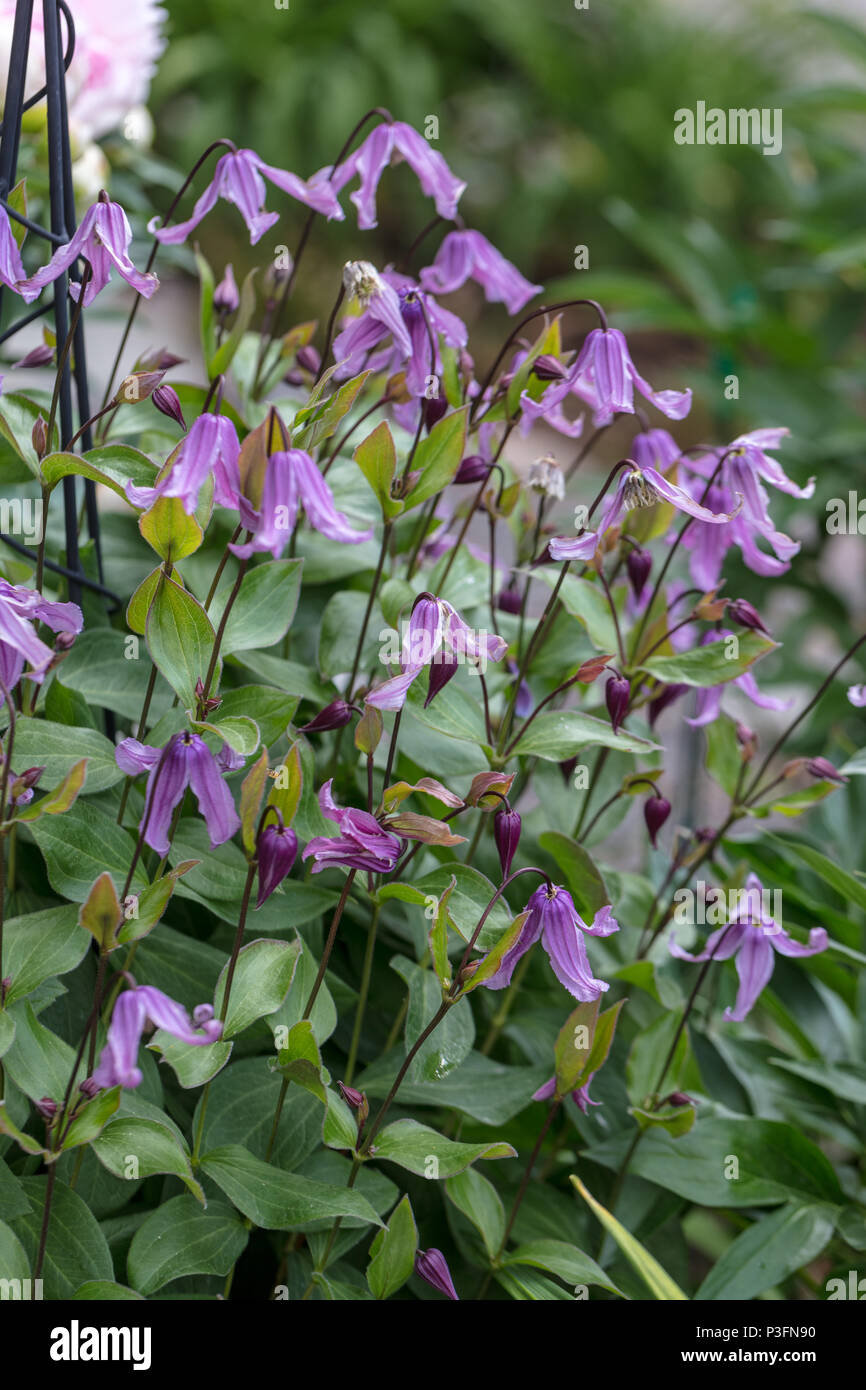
x,y
554,918
604,376
857,696
210,449
371,158
470,256
293,480
506,833
361,843
435,633
655,449
752,935
187,762
19,609
275,851
238,179
134,1009
432,1267
102,239
11,267
581,1096
709,701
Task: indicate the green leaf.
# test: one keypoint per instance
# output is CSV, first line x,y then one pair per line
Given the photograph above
x,y
659,1283
169,531
91,1118
301,1062
339,630
18,415
377,459
38,1061
844,883
582,877
58,801
40,945
586,602
767,1252
103,668
478,1199
438,457
490,1092
392,1254
315,423
561,734
179,1239
421,1150
113,465
264,608
262,978
647,1057
280,1201
80,845
180,639
13,1258
153,1147
573,1046
57,748
563,1260
709,665
76,1251
102,1290
448,1044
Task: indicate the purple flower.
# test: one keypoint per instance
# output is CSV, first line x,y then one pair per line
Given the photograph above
x,y
435,632
361,843
857,695
134,1009
372,157
292,479
225,297
604,376
185,762
709,702
102,239
336,715
275,852
581,1096
19,609
554,917
210,449
469,255
432,1267
238,179
655,449
753,935
11,267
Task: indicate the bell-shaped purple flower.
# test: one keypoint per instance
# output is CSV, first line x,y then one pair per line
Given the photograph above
x,y
103,239
655,449
293,480
11,267
470,256
275,851
432,1267
581,1096
134,1009
369,161
554,918
361,843
185,762
435,633
210,449
19,609
238,179
752,935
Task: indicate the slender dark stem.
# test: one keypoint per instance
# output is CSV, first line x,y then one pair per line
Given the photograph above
x,y
329,944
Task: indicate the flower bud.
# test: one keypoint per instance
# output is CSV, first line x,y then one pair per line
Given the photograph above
x,y
276,849
89,1087
275,277
138,386
225,297
39,437
159,360
434,408
432,1267
546,477
441,672
336,715
506,833
617,692
361,280
166,400
357,1100
308,358
547,368
667,696
678,1099
26,781
509,600
47,1107
638,565
746,615
472,469
64,641
824,770
41,356
656,811
748,741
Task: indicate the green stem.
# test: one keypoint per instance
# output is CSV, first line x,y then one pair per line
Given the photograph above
x,y
366,972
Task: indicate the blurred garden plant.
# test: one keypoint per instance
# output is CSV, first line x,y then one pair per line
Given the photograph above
x,y
347,869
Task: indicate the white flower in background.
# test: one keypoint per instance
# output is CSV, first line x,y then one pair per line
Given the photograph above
x,y
116,49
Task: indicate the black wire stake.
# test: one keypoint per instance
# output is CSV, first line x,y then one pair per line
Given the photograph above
x,y
62,226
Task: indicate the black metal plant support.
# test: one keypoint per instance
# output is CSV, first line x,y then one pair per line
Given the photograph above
x,y
56,18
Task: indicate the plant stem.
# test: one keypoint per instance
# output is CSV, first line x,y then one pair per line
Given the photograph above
x,y
366,972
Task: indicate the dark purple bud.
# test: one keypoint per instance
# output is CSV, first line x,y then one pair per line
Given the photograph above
x,y
39,437
225,297
434,408
336,715
547,368
656,811
166,399
441,672
47,1107
294,377
824,770
638,564
276,850
617,692
678,1099
64,641
472,469
667,696
506,833
746,615
308,358
432,1266
26,780
89,1088
509,600
351,1096
567,768
41,356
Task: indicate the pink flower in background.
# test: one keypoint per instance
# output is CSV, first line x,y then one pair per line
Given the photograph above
x,y
470,256
116,50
